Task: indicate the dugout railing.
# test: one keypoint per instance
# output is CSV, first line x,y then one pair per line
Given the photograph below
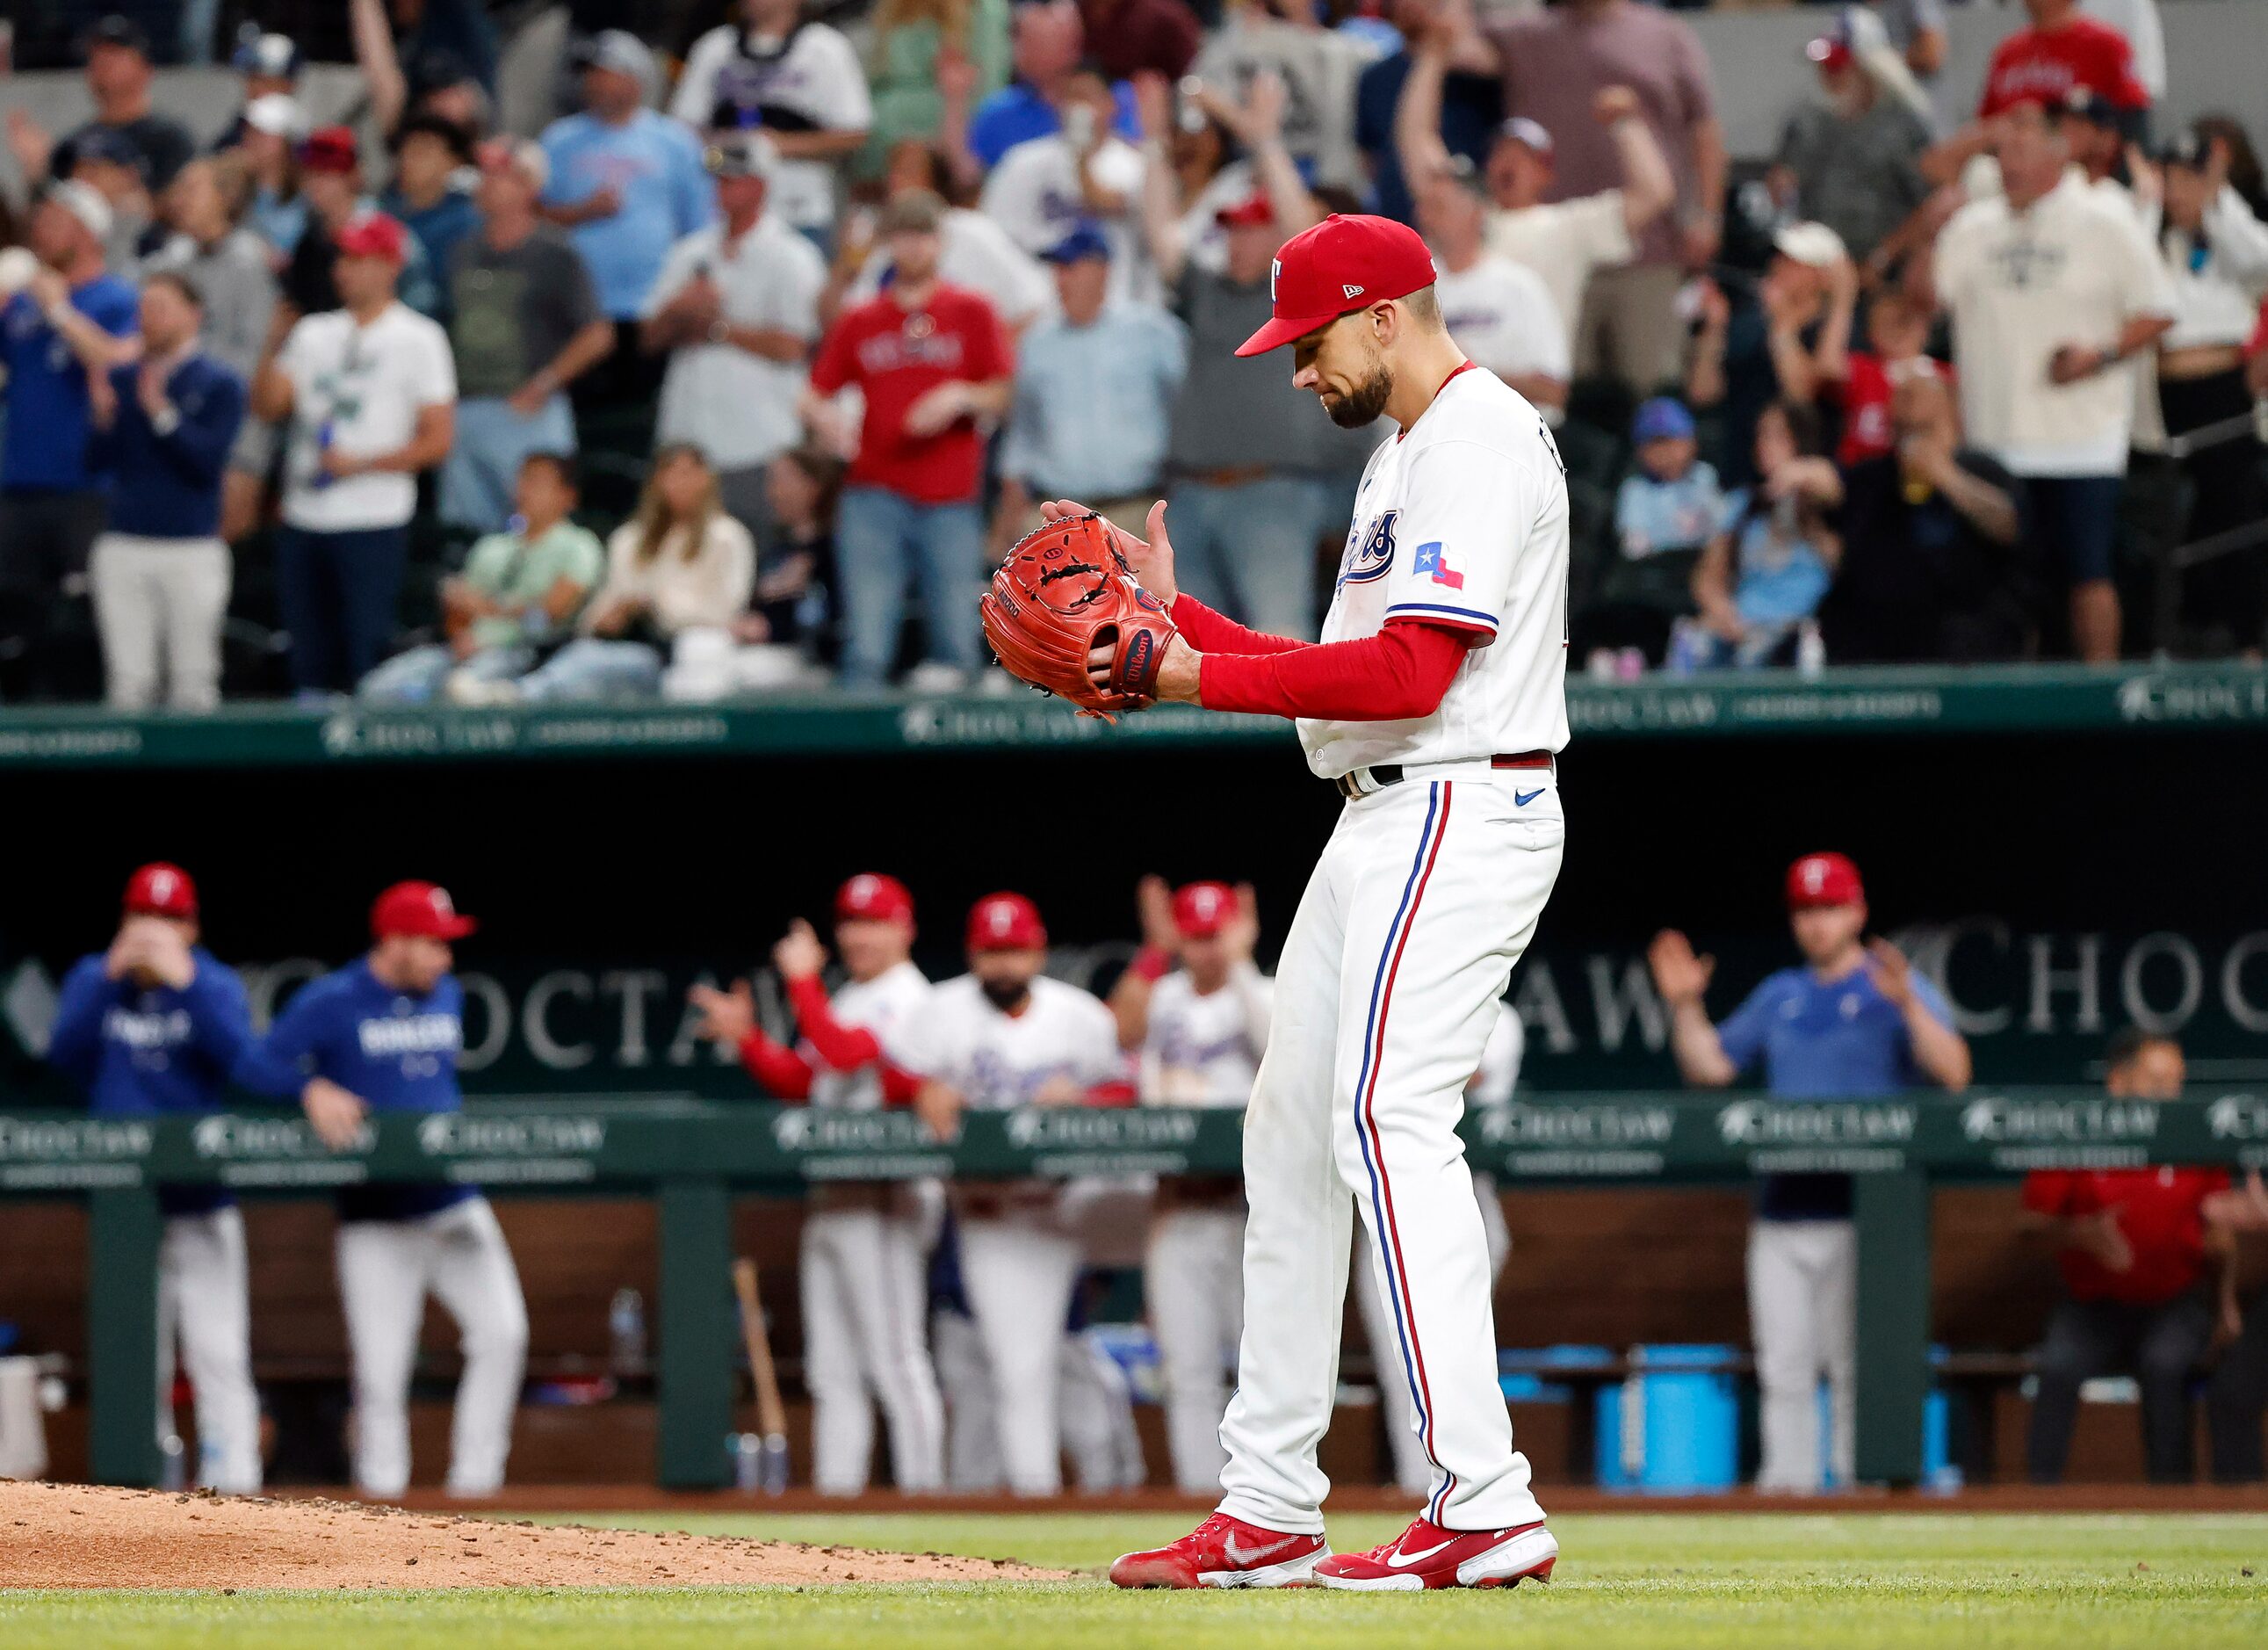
x,y
693,1156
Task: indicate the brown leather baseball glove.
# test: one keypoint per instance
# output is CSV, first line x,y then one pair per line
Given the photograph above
x,y
1062,593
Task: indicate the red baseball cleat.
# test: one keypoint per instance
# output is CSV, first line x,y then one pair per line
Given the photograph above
x,y
1425,1555
1224,1551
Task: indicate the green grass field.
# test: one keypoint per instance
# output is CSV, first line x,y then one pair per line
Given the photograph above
x,y
1830,1581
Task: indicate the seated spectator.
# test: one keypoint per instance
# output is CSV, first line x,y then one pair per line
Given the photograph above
x,y
1081,175
1850,161
1765,571
1095,387
1500,313
370,393
1929,537
1898,336
1045,43
801,488
924,52
118,78
1318,67
2132,1246
1791,344
163,428
1126,38
1472,108
331,179
73,319
525,324
520,589
1563,240
930,360
228,266
978,254
1665,512
735,309
431,193
273,131
802,82
628,184
2062,51
681,566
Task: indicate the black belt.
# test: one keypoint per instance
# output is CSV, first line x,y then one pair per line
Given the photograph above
x,y
1386,773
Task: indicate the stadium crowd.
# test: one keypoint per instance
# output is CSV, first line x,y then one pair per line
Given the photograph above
x,y
756,351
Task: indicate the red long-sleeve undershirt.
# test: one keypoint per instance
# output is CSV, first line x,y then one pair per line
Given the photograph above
x,y
845,1047
779,1072
1398,674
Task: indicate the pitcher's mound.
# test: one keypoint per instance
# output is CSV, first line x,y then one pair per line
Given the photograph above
x,y
73,1535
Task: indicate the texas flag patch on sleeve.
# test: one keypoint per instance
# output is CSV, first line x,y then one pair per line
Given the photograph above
x,y
1430,558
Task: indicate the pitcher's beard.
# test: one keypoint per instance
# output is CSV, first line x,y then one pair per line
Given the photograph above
x,y
1006,995
1353,411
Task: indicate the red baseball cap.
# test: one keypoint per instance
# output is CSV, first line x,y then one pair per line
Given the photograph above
x,y
1202,909
1006,922
1829,52
161,889
1823,880
423,909
330,149
373,235
870,897
1344,263
1253,210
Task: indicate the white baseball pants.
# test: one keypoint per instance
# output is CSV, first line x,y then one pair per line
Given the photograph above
x,y
385,1269
204,1301
1017,1271
1412,1471
1803,1315
1426,894
864,1297
1194,1282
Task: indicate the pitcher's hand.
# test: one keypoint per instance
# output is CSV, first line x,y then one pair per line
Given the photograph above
x,y
1152,562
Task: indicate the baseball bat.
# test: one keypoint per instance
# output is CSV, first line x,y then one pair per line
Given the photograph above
x,y
771,1414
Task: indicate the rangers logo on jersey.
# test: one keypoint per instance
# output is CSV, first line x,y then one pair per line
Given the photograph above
x,y
1376,554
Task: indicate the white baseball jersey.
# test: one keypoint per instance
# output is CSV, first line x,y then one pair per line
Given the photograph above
x,y
1462,520
1204,1048
1499,1073
887,1005
999,1061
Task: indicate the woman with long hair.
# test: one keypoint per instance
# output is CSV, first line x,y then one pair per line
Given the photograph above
x,y
913,40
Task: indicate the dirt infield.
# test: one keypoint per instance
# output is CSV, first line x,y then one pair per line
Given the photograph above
x,y
73,1535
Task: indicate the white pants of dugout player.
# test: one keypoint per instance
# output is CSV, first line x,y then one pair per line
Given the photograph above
x,y
864,1300
1426,894
202,1299
385,1269
1803,1314
1193,1278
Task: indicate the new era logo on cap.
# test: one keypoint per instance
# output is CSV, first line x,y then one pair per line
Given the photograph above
x,y
1351,291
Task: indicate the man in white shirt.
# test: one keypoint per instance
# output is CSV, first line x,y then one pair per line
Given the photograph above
x,y
736,309
370,390
1047,187
975,251
801,82
2052,290
1501,312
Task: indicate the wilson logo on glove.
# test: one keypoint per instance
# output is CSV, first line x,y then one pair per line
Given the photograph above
x,y
1063,598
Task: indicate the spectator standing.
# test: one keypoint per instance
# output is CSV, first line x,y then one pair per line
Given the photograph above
x,y
931,360
113,167
628,184
680,566
118,78
520,589
1046,40
1853,160
1898,336
525,324
1500,313
1318,67
736,309
157,1026
1095,387
920,49
228,267
2051,291
331,179
1854,1020
165,427
1766,571
1470,108
1125,38
802,82
1565,241
1929,533
977,253
426,56
270,65
2138,22
2061,52
1245,454
2132,1246
431,194
370,392
1793,343
273,131
1555,63
1914,29
1084,174
74,319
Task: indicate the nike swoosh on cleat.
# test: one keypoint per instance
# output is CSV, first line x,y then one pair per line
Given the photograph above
x,y
1522,799
1254,1555
1399,1560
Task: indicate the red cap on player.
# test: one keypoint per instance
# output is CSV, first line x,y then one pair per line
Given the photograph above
x,y
159,889
422,909
1823,880
872,897
1202,909
1343,264
1006,922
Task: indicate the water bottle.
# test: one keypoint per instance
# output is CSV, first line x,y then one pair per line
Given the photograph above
x,y
747,1451
772,1466
1810,649
326,433
172,1463
626,1334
